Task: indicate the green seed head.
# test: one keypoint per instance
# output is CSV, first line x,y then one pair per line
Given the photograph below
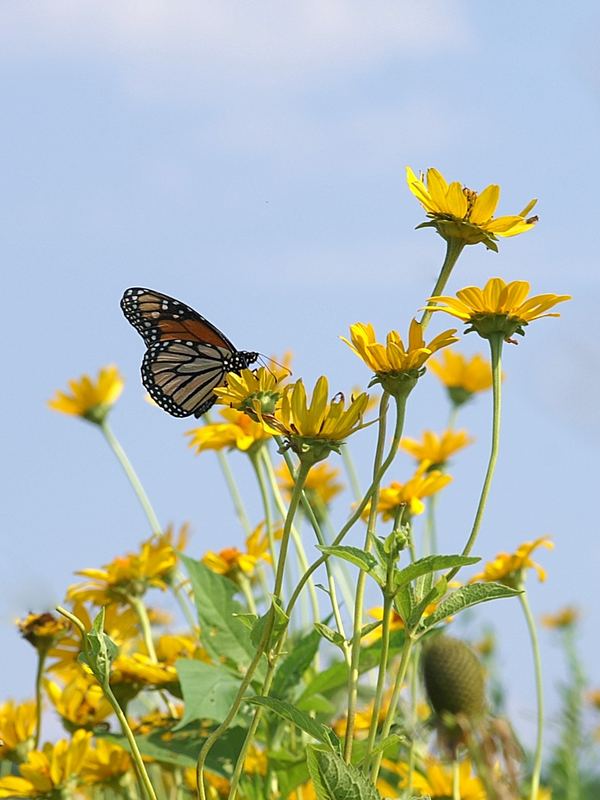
x,y
454,678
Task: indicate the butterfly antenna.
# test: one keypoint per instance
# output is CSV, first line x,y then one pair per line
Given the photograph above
x,y
263,360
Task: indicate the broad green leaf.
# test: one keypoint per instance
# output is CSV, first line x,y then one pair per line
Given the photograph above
x,y
294,665
181,748
404,601
291,770
291,714
430,564
354,555
222,633
208,690
468,596
333,779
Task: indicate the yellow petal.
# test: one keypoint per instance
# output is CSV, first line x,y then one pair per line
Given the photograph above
x,y
485,204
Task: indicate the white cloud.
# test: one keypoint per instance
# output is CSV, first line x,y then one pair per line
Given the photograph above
x,y
265,40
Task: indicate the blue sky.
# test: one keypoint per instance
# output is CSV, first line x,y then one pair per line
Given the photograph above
x,y
249,159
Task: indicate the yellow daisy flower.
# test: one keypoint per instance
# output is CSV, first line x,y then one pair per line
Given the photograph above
x,y
463,377
80,702
435,779
231,561
157,720
436,448
321,483
89,399
141,671
423,483
565,618
238,431
132,574
249,388
17,729
499,307
105,763
509,568
172,646
42,630
463,214
394,357
50,770
318,426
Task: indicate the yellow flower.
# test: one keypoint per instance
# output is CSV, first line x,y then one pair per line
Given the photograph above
x,y
435,780
17,728
90,399
132,574
140,670
105,763
393,357
230,561
81,702
594,698
46,772
435,448
463,214
565,618
499,307
318,426
510,567
363,718
42,630
157,720
171,646
423,483
249,388
321,484
121,624
218,787
238,432
463,377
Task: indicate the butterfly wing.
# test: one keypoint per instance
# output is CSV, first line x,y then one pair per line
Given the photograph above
x,y
181,375
158,318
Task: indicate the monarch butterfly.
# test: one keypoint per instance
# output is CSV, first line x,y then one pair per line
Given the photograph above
x,y
187,356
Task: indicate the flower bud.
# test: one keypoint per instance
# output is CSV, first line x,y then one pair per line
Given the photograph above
x,y
454,678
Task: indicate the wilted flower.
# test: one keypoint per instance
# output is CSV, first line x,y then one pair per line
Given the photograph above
x,y
464,215
42,630
89,399
498,308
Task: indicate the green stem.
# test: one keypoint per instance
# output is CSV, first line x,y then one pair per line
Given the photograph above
x,y
300,552
128,469
355,516
455,779
244,585
414,685
140,609
232,486
134,750
539,690
272,656
177,587
454,248
351,472
39,675
255,460
394,700
388,607
353,675
263,646
430,530
496,348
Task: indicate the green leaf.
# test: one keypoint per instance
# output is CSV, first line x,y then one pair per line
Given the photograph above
x,y
468,596
208,690
439,590
222,633
280,624
430,564
333,779
317,703
328,633
405,601
98,650
295,664
354,555
181,748
291,714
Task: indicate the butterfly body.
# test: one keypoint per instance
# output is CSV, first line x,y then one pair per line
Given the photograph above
x,y
187,357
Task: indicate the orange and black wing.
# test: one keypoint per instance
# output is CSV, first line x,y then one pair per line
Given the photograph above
x,y
160,318
181,375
